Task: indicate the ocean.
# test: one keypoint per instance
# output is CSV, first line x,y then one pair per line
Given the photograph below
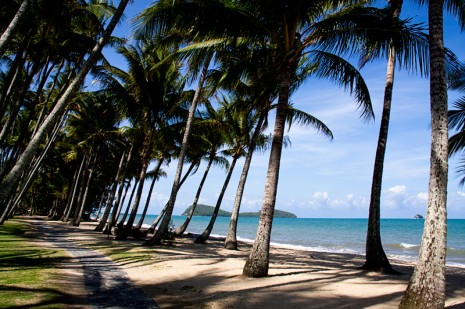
x,y
401,237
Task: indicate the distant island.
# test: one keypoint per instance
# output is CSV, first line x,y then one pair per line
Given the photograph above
x,y
418,216
205,210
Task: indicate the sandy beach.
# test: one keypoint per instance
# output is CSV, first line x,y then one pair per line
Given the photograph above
x,y
188,275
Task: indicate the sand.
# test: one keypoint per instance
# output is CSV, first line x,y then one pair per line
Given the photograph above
x,y
188,275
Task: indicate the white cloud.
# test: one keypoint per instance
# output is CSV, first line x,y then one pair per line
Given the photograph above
x,y
422,196
320,196
399,189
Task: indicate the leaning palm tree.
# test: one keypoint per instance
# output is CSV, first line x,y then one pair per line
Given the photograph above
x,y
208,139
9,182
9,32
176,19
152,91
292,27
231,131
289,31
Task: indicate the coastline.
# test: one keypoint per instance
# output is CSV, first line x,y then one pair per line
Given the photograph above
x,y
189,275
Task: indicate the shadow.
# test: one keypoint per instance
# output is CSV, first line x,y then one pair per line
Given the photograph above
x,y
44,297
298,279
30,259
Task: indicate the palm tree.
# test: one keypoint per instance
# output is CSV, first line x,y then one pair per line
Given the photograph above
x,y
151,90
9,32
208,139
231,130
244,77
375,257
10,181
162,231
291,26
426,287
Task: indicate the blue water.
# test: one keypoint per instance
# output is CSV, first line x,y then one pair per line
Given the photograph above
x,y
401,237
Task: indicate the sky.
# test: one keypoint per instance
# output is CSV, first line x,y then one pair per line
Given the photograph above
x,y
321,178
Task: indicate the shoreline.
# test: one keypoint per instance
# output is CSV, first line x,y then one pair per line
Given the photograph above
x,y
400,240
189,275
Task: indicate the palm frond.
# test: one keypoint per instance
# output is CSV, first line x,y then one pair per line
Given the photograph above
x,y
344,74
457,115
308,121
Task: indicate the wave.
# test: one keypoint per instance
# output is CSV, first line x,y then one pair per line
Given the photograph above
x,y
403,246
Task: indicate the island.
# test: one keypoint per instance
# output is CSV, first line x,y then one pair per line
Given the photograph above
x,y
418,216
205,210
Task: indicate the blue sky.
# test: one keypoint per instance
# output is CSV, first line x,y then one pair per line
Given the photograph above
x,y
332,179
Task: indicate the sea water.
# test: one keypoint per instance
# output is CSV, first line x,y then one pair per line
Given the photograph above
x,y
401,238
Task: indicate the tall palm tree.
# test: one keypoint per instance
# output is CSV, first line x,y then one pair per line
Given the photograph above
x,y
290,26
152,90
162,231
426,287
19,17
232,130
10,181
208,139
375,257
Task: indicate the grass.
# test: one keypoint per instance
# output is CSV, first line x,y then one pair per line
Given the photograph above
x,y
28,272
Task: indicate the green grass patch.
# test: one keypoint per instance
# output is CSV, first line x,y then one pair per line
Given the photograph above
x,y
28,272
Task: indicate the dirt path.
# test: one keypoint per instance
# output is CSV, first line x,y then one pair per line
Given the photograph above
x,y
95,280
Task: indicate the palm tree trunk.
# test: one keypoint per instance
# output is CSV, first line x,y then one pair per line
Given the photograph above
x,y
77,220
231,239
426,288
120,177
29,177
76,185
85,176
202,238
123,199
162,213
180,230
8,34
135,206
12,78
128,206
375,258
149,195
258,262
106,213
16,107
10,181
99,210
71,189
164,225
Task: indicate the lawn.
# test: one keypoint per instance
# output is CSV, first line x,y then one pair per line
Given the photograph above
x,y
29,273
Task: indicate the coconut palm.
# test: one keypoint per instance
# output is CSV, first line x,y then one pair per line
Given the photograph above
x,y
23,11
426,287
293,45
397,49
229,130
9,182
151,91
208,139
